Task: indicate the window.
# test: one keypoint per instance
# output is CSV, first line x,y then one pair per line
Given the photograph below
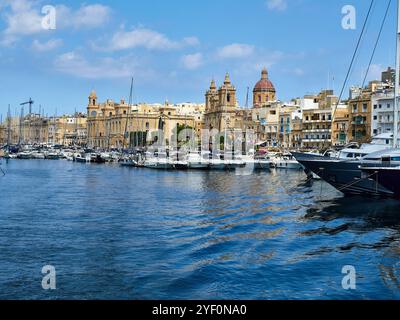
x,y
365,107
375,106
228,97
354,108
375,117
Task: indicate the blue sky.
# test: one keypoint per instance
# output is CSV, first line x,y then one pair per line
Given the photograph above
x,y
174,48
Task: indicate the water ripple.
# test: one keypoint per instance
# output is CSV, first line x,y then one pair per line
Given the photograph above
x,y
122,233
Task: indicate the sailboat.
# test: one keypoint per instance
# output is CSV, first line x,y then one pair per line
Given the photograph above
x,y
354,171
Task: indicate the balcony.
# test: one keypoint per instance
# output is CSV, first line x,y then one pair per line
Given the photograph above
x,y
316,140
317,130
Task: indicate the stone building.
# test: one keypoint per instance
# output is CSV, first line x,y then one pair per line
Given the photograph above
x,y
290,127
3,134
266,119
68,130
119,125
382,112
317,120
360,113
222,110
340,125
34,129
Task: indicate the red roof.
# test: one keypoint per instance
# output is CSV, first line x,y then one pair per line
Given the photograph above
x,y
264,85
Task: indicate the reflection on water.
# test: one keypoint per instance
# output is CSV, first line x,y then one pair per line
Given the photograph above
x,y
126,233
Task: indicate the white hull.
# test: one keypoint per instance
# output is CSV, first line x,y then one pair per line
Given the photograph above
x,y
292,165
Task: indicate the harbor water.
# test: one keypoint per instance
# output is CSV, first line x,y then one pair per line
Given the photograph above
x,y
115,232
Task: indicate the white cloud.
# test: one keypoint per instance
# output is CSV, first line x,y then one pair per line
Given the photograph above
x,y
21,19
277,5
191,41
235,50
46,46
192,61
87,16
75,64
24,18
146,38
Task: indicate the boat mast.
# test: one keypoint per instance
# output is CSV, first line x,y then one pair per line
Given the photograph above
x,y
128,118
396,82
8,127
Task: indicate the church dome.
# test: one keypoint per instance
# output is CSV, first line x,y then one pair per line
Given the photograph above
x,y
264,85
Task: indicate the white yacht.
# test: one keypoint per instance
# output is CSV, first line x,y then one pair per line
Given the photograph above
x,y
198,161
286,161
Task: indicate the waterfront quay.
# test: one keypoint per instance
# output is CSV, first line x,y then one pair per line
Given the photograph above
x,y
314,122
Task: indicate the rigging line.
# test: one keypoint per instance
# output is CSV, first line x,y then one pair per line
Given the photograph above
x,y
377,42
354,57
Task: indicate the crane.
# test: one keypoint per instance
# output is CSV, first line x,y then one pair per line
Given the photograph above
x,y
30,102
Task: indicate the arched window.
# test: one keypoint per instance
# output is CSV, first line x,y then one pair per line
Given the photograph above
x,y
93,113
228,97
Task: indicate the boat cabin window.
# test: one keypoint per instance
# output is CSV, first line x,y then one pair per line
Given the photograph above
x,y
386,160
350,155
395,159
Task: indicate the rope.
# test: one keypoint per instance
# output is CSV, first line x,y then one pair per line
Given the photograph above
x,y
357,181
354,56
376,43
